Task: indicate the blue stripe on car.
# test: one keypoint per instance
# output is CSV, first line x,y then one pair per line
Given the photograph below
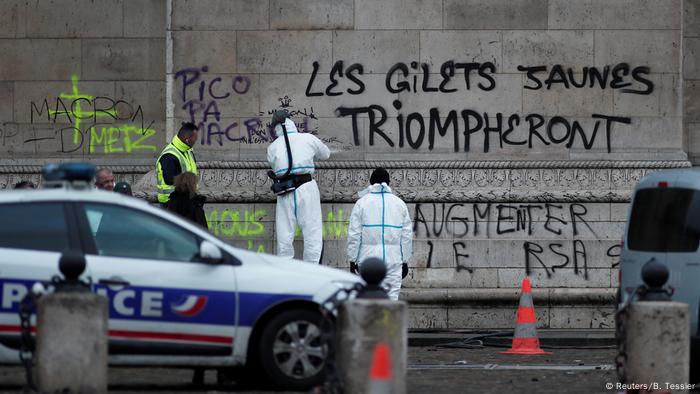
x,y
220,308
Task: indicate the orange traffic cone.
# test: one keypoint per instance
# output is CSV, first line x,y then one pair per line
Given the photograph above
x,y
380,370
525,339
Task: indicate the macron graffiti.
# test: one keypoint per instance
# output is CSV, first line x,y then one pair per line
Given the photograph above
x,y
111,126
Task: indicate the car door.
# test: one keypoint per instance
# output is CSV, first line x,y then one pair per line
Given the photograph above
x,y
163,301
32,237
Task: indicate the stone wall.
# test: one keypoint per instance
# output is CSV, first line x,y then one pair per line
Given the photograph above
x,y
691,76
515,129
441,80
82,80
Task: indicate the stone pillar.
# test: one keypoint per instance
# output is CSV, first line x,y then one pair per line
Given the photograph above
x,y
658,344
362,324
71,349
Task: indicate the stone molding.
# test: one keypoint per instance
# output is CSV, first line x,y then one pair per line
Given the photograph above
x,y
508,297
414,181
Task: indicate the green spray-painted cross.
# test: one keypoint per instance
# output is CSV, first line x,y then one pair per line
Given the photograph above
x,y
77,110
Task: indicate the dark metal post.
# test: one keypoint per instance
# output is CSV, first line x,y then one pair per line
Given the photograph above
x,y
373,271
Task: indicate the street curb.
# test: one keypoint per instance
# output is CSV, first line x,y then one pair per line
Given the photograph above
x,y
508,297
564,338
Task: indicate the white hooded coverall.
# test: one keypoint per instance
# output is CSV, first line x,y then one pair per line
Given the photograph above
x,y
380,226
301,207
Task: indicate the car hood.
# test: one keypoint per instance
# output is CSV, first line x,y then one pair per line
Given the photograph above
x,y
295,267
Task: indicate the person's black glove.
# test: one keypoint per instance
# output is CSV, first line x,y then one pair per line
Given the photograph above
x,y
404,270
354,268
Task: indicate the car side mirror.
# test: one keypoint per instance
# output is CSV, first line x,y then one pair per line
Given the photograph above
x,y
210,253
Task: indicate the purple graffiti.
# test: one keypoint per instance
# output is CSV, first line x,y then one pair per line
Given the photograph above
x,y
202,102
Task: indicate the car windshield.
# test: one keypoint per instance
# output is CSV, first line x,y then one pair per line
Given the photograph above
x,y
665,220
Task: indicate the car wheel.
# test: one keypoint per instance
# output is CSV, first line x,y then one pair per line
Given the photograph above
x,y
292,351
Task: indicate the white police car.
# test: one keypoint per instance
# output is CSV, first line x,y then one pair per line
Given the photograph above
x,y
178,296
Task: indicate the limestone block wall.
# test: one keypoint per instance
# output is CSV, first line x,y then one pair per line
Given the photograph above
x,y
691,75
448,80
474,245
82,80
514,129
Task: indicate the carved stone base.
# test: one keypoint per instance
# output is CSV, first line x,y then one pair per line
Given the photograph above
x,y
415,181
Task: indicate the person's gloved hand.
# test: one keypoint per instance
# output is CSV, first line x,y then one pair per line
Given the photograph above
x,y
354,268
404,270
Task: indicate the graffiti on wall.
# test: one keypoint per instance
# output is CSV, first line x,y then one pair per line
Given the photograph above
x,y
203,98
230,223
548,234
101,123
527,224
259,131
463,126
253,226
244,223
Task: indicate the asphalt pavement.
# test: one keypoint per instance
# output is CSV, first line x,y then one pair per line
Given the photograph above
x,y
433,369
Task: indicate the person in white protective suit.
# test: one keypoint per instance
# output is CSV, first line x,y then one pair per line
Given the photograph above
x,y
302,206
380,226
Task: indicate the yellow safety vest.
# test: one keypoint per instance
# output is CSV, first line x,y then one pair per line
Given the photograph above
x,y
187,164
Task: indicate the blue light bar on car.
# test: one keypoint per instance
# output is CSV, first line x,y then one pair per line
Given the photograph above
x,y
68,172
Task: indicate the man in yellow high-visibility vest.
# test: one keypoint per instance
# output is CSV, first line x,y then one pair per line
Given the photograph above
x,y
177,157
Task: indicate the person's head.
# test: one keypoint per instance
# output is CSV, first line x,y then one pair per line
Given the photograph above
x,y
188,133
104,179
279,116
24,185
186,183
379,175
123,188
281,121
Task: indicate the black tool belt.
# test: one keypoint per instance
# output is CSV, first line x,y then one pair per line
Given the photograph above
x,y
284,185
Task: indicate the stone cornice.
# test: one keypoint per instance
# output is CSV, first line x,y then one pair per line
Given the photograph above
x,y
414,181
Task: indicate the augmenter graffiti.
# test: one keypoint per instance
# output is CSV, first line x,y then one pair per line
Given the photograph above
x,y
459,226
526,223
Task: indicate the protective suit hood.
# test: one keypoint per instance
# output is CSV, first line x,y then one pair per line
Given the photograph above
x,y
289,125
376,188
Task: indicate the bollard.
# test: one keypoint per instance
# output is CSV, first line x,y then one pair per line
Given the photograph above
x,y
658,343
363,324
657,336
71,347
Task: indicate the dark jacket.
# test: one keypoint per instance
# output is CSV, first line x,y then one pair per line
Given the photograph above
x,y
189,208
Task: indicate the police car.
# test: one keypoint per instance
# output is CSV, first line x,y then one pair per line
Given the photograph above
x,y
178,296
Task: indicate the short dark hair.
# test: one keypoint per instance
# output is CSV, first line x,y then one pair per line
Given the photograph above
x,y
102,170
379,175
186,130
